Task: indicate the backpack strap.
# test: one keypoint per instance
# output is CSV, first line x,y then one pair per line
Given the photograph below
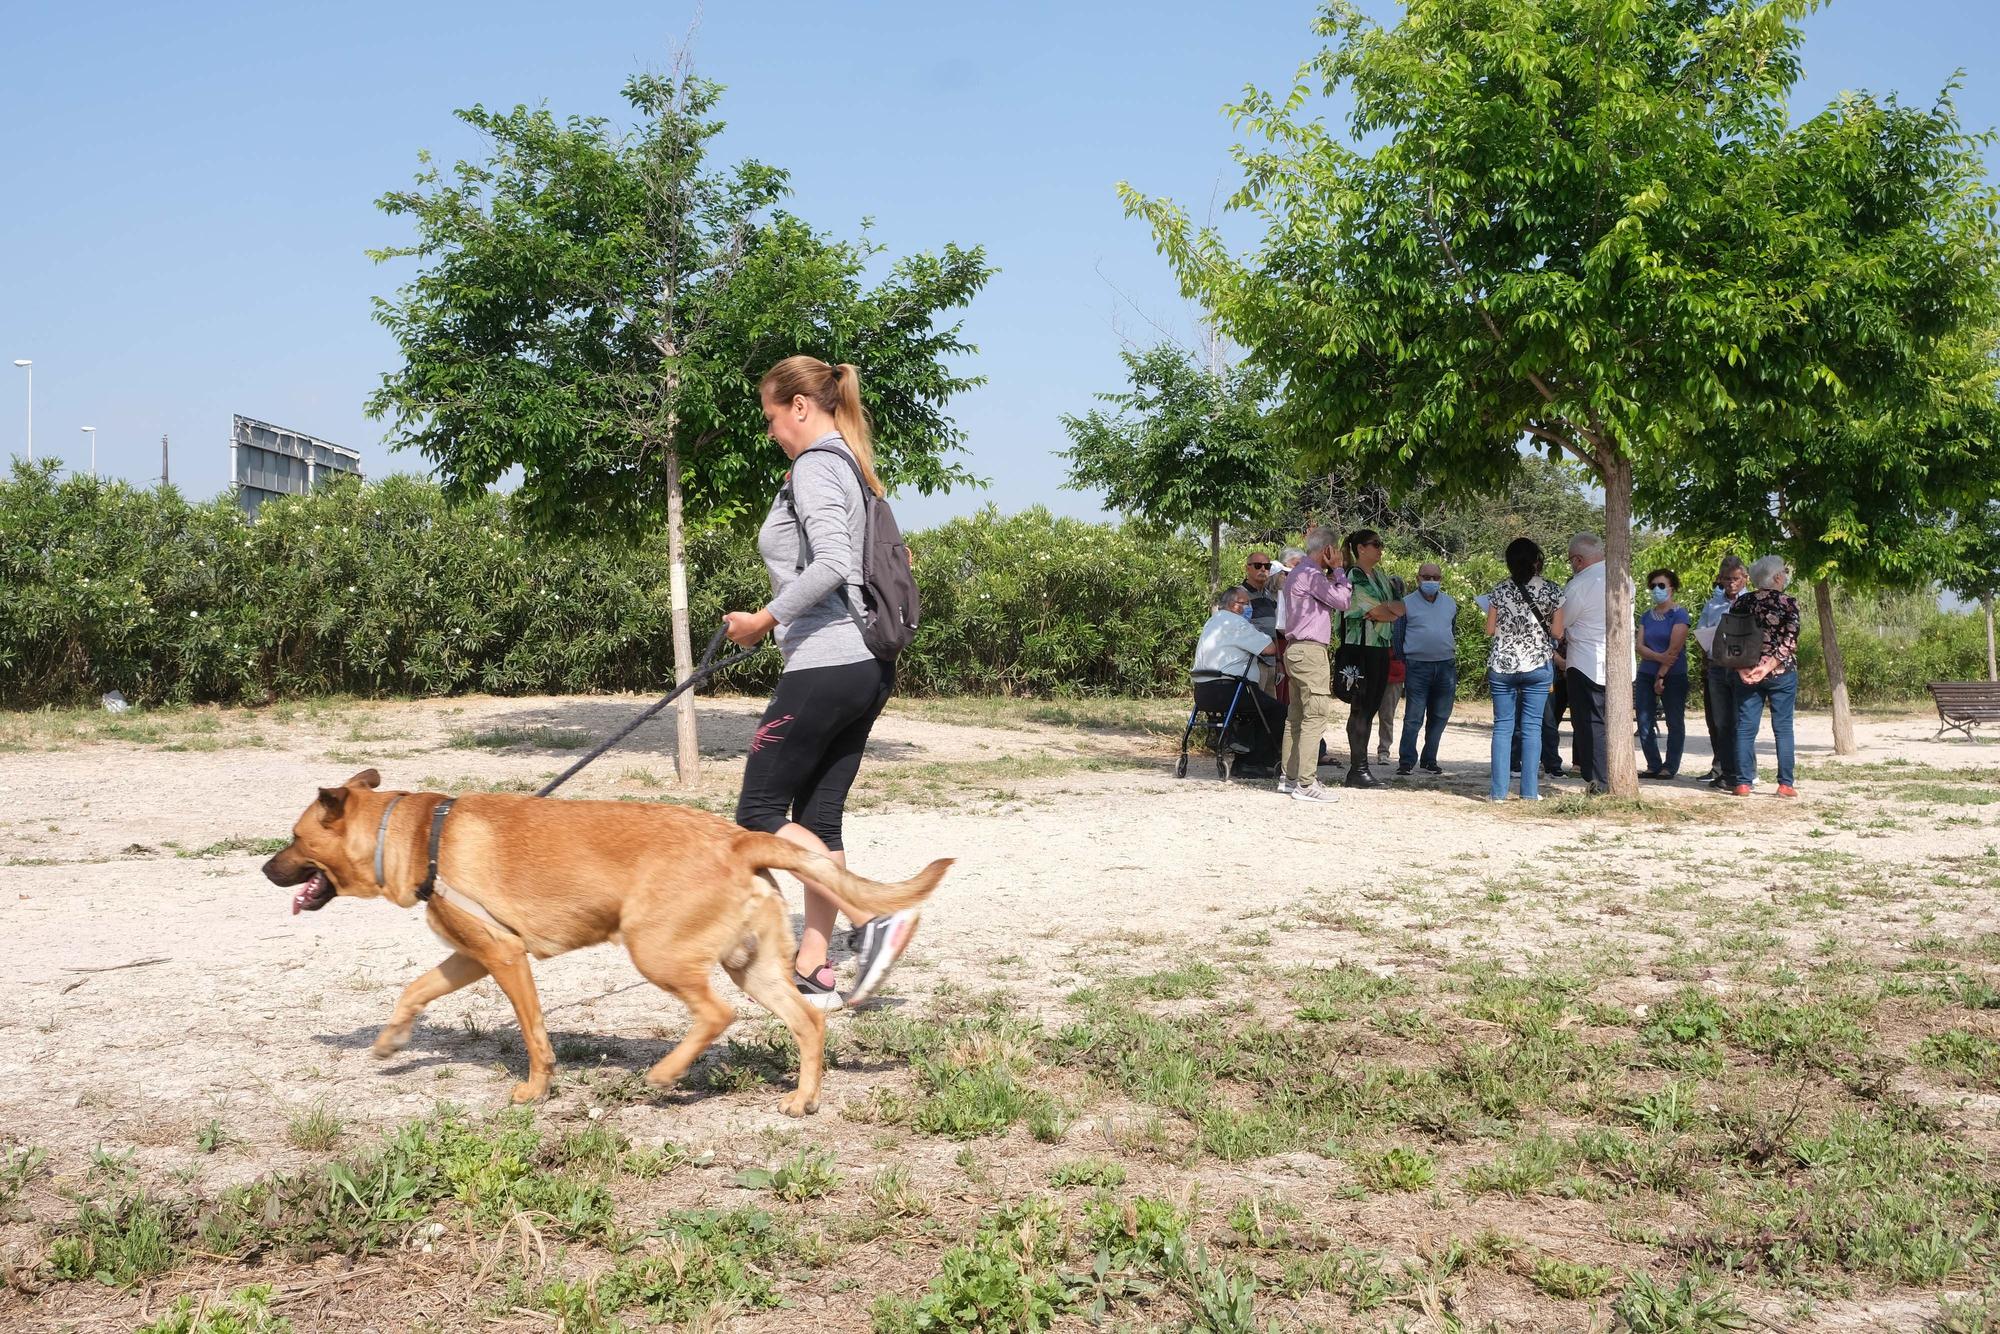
x,y
799,525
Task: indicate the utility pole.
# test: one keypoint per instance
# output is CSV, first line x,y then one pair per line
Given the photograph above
x,y
163,459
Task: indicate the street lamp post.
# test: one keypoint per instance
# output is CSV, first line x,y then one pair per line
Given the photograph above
x,y
91,431
29,367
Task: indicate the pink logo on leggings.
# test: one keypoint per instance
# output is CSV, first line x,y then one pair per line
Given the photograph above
x,y
768,732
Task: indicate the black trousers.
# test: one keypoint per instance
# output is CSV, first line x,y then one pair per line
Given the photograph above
x,y
1718,706
1259,721
1361,712
1586,711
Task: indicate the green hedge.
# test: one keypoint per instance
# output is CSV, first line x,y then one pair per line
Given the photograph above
x,y
384,589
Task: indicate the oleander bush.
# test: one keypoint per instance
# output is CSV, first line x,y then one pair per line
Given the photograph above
x,y
384,588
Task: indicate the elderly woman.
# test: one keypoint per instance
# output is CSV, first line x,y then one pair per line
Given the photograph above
x,y
1775,678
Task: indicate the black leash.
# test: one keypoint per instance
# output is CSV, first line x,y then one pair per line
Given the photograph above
x,y
704,669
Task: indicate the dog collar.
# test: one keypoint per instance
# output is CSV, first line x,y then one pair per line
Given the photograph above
x,y
381,836
437,836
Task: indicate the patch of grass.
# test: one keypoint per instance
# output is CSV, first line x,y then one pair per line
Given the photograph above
x,y
118,1241
315,1128
895,1194
1195,979
1569,1281
1330,995
1396,1168
1645,1307
1005,1278
245,1311
707,1263
1099,1172
19,1166
1969,1056
806,1175
212,1138
236,843
508,738
1530,1165
973,1076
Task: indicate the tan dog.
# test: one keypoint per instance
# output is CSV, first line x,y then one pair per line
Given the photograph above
x,y
681,889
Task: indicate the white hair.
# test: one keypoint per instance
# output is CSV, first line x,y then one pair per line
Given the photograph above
x,y
1318,540
1764,571
1587,544
1291,554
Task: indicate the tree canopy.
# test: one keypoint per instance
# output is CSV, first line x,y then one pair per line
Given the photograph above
x,y
1186,447
592,298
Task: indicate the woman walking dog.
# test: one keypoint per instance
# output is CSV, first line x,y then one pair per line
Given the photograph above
x,y
808,747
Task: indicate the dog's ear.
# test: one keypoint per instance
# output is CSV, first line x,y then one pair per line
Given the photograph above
x,y
366,778
332,803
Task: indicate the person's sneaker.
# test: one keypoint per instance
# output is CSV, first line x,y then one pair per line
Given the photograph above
x,y
1742,789
820,989
1286,787
1242,747
1433,770
1405,770
1381,757
877,944
1787,790
1655,774
1313,792
1554,773
1513,773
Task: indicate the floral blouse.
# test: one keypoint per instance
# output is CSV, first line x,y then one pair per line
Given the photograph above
x,y
1777,615
1520,643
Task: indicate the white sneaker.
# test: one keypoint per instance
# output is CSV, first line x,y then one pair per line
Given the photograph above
x,y
1286,787
1312,792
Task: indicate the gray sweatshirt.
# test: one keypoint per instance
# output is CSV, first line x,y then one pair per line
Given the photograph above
x,y
815,627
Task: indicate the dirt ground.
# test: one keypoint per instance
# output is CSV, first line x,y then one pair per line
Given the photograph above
x,y
157,1000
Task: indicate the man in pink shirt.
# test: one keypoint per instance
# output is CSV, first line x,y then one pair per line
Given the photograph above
x,y
1314,590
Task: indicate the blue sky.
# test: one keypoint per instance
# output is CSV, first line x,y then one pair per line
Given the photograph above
x,y
189,188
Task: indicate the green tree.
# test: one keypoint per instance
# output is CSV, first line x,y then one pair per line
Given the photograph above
x,y
1549,221
1977,573
1186,447
596,306
1869,410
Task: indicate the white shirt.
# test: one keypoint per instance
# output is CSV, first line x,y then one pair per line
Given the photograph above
x,y
1583,623
1278,578
1228,646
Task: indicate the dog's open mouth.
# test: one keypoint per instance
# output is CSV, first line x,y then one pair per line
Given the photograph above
x,y
314,894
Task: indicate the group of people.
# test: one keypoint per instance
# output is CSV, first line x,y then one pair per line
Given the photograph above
x,y
1327,615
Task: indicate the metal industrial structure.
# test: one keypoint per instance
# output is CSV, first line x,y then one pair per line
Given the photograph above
x,y
267,461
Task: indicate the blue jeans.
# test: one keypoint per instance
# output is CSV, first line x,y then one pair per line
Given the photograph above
x,y
1648,706
1781,689
1518,699
1428,691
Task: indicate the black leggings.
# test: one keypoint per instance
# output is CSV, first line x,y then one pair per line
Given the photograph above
x,y
1366,704
808,747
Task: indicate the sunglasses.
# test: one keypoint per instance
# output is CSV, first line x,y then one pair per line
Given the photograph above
x,y
1659,586
1259,564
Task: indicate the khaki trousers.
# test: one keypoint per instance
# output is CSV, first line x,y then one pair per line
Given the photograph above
x,y
1309,706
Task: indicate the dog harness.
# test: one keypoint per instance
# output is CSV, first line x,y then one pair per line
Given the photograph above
x,y
431,884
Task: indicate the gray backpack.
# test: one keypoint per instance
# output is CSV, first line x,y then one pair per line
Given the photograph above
x,y
1739,640
889,610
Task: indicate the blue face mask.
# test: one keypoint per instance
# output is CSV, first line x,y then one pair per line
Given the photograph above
x,y
1662,594
1430,587
1245,611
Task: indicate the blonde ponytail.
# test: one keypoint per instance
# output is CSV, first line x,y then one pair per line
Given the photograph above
x,y
837,389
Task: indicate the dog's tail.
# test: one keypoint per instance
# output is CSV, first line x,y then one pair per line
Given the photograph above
x,y
858,897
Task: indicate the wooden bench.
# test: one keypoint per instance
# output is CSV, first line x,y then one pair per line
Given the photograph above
x,y
1963,705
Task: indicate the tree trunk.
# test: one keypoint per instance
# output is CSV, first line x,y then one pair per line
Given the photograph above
x,y
1619,756
1836,669
1214,559
1992,668
687,744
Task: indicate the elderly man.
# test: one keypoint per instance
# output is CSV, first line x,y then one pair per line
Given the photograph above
x,y
1579,624
1430,667
1719,684
1261,591
1229,650
1314,590
1288,560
